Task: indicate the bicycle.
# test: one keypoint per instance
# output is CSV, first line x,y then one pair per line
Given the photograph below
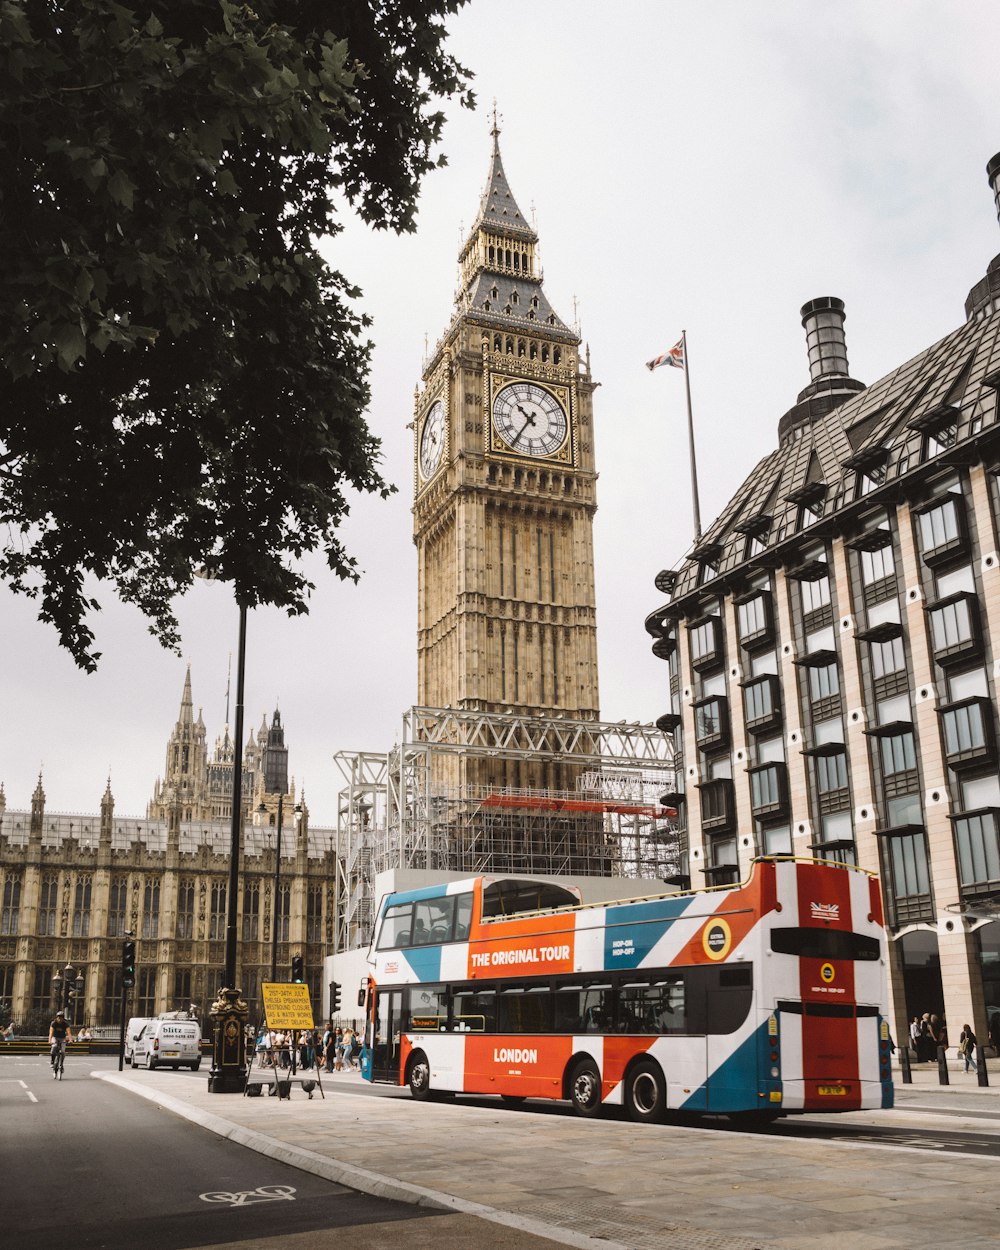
x,y
58,1060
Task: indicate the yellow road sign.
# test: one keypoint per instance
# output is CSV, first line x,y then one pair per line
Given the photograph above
x,y
287,1006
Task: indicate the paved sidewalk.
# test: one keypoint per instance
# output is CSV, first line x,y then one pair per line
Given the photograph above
x,y
611,1184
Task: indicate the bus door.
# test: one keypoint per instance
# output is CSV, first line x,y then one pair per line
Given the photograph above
x,y
387,1025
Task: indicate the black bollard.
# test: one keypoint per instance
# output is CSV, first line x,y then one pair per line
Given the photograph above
x,y
904,1065
942,1067
982,1076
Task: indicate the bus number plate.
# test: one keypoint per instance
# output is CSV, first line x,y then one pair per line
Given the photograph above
x,y
837,1090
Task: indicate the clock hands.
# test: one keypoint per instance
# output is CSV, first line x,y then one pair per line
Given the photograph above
x,y
529,419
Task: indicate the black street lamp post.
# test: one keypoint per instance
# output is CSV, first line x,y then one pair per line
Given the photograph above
x,y
229,1011
67,992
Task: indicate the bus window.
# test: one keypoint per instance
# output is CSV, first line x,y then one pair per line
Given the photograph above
x,y
583,1008
824,944
474,1010
524,1009
432,921
463,917
428,1009
729,994
654,1006
396,926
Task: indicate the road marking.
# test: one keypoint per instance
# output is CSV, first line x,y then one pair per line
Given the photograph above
x,y
32,1096
245,1197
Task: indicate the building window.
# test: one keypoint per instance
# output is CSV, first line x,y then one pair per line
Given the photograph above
x,y
81,908
48,905
943,533
6,990
251,910
711,724
182,988
112,995
314,914
955,631
831,773
776,840
151,910
718,807
836,838
908,889
898,752
284,907
978,848
755,617
117,907
723,864
41,990
762,704
705,643
824,682
968,733
815,595
145,991
185,910
876,566
217,914
10,918
769,790
887,657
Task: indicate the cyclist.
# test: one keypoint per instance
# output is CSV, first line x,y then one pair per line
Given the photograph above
x,y
59,1034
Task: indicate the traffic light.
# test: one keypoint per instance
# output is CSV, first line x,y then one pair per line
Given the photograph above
x,y
297,969
334,998
128,963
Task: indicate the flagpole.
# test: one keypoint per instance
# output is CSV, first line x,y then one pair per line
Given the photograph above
x,y
694,468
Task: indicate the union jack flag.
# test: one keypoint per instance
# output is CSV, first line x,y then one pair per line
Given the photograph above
x,y
673,357
825,911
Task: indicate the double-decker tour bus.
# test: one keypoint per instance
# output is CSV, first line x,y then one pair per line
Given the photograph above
x,y
753,1000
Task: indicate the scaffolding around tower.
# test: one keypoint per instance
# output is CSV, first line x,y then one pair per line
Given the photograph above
x,y
401,810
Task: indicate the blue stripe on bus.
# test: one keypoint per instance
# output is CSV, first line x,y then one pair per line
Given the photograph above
x,y
734,1084
425,962
644,924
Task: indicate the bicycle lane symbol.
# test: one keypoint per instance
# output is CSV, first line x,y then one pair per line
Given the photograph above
x,y
246,1197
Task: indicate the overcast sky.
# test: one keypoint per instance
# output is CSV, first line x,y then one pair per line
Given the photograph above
x,y
706,167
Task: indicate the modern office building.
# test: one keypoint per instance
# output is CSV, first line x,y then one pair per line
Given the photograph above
x,y
832,663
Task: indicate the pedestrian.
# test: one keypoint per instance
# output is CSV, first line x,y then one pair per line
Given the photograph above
x,y
329,1047
348,1048
925,1043
915,1036
967,1047
338,1050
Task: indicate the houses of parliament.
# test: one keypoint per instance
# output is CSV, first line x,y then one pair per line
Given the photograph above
x,y
73,885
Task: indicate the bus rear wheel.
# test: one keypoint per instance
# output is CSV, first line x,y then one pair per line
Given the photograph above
x,y
585,1088
646,1093
418,1076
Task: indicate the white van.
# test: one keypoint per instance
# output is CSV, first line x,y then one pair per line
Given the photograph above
x,y
133,1031
168,1042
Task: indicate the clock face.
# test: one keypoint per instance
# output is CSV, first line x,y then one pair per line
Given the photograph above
x,y
529,419
432,440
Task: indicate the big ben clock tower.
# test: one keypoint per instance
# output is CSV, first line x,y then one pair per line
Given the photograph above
x,y
505,497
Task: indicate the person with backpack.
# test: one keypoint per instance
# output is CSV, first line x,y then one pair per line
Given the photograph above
x,y
967,1047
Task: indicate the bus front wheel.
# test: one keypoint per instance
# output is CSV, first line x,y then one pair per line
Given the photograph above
x,y
418,1076
585,1088
646,1092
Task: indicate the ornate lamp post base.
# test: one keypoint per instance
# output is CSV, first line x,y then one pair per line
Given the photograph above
x,y
229,1014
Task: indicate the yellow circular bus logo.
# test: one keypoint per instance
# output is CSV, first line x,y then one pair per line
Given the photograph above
x,y
716,938
827,973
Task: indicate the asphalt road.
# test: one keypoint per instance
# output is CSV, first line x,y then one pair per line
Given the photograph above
x,y
90,1166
